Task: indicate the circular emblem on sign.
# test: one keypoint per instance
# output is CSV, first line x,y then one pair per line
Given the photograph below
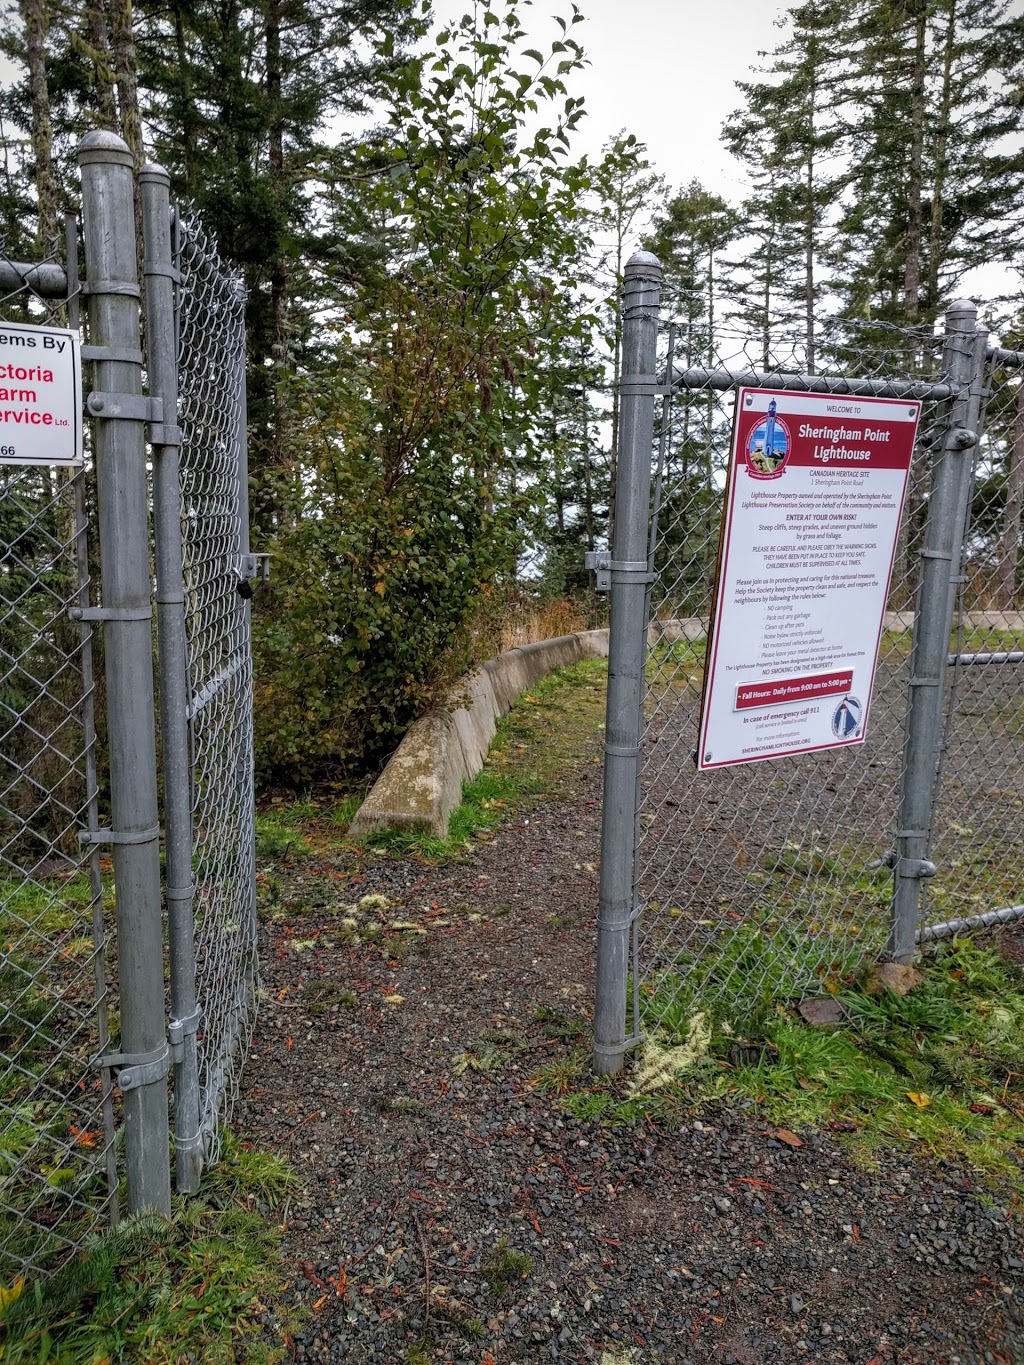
x,y
768,446
846,719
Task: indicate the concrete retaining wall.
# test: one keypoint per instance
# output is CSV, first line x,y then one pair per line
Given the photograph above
x,y
693,628
422,783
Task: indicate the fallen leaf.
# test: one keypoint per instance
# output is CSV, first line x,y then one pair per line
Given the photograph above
x,y
788,1137
393,999
9,1295
919,1098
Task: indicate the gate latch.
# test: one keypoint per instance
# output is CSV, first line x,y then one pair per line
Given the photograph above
x,y
599,562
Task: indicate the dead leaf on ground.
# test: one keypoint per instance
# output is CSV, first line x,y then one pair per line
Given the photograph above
x,y
787,1136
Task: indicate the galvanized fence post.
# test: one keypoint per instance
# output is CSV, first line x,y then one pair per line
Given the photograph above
x,y
941,557
121,412
162,360
641,298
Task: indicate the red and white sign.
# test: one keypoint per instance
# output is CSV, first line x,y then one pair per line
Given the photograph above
x,y
812,512
40,395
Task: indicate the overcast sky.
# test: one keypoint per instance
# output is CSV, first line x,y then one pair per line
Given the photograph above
x,y
664,70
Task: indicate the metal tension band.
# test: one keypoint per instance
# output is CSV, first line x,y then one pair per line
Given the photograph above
x,y
915,868
617,1049
180,893
622,750
936,554
925,682
135,1069
128,354
637,385
131,291
635,569
163,268
111,613
125,836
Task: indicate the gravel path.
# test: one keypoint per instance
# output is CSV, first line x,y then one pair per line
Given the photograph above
x,y
394,1069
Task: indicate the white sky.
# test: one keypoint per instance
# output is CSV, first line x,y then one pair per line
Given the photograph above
x,y
666,70
662,69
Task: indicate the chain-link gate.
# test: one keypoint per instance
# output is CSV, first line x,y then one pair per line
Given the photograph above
x,y
730,890
80,822
217,570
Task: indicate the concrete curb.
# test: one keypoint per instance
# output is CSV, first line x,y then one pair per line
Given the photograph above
x,y
422,783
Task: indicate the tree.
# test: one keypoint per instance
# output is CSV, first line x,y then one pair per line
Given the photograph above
x,y
626,194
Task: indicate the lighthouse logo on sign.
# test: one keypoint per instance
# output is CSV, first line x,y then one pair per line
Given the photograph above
x,y
846,719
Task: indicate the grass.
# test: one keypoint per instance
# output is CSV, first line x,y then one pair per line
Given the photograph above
x,y
939,1071
504,1267
164,1291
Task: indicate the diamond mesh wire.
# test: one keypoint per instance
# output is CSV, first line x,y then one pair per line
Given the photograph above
x,y
57,1171
214,533
978,822
764,881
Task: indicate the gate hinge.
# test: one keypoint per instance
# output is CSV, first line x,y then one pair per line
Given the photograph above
x,y
915,867
180,1029
135,1069
125,407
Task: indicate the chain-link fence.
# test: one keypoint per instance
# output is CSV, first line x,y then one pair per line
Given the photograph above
x,y
761,881
81,894
729,890
57,1176
215,546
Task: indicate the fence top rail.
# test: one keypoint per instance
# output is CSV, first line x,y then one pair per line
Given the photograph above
x,y
1010,359
48,279
700,377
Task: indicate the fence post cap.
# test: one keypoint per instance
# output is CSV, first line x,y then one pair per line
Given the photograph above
x,y
101,145
154,174
642,263
962,306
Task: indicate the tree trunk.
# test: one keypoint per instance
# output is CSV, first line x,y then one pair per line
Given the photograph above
x,y
1009,541
616,376
126,76
97,49
915,171
278,264
36,20
941,144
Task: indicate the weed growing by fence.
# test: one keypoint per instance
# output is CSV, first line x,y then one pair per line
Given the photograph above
x,y
164,1290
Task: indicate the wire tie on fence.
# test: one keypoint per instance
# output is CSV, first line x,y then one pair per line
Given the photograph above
x,y
111,613
130,355
622,750
188,1144
121,836
122,287
617,928
912,833
135,1069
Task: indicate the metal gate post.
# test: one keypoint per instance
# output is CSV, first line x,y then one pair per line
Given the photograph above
x,y
162,361
941,556
121,412
627,652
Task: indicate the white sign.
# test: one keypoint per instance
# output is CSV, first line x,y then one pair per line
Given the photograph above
x,y
812,511
40,395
